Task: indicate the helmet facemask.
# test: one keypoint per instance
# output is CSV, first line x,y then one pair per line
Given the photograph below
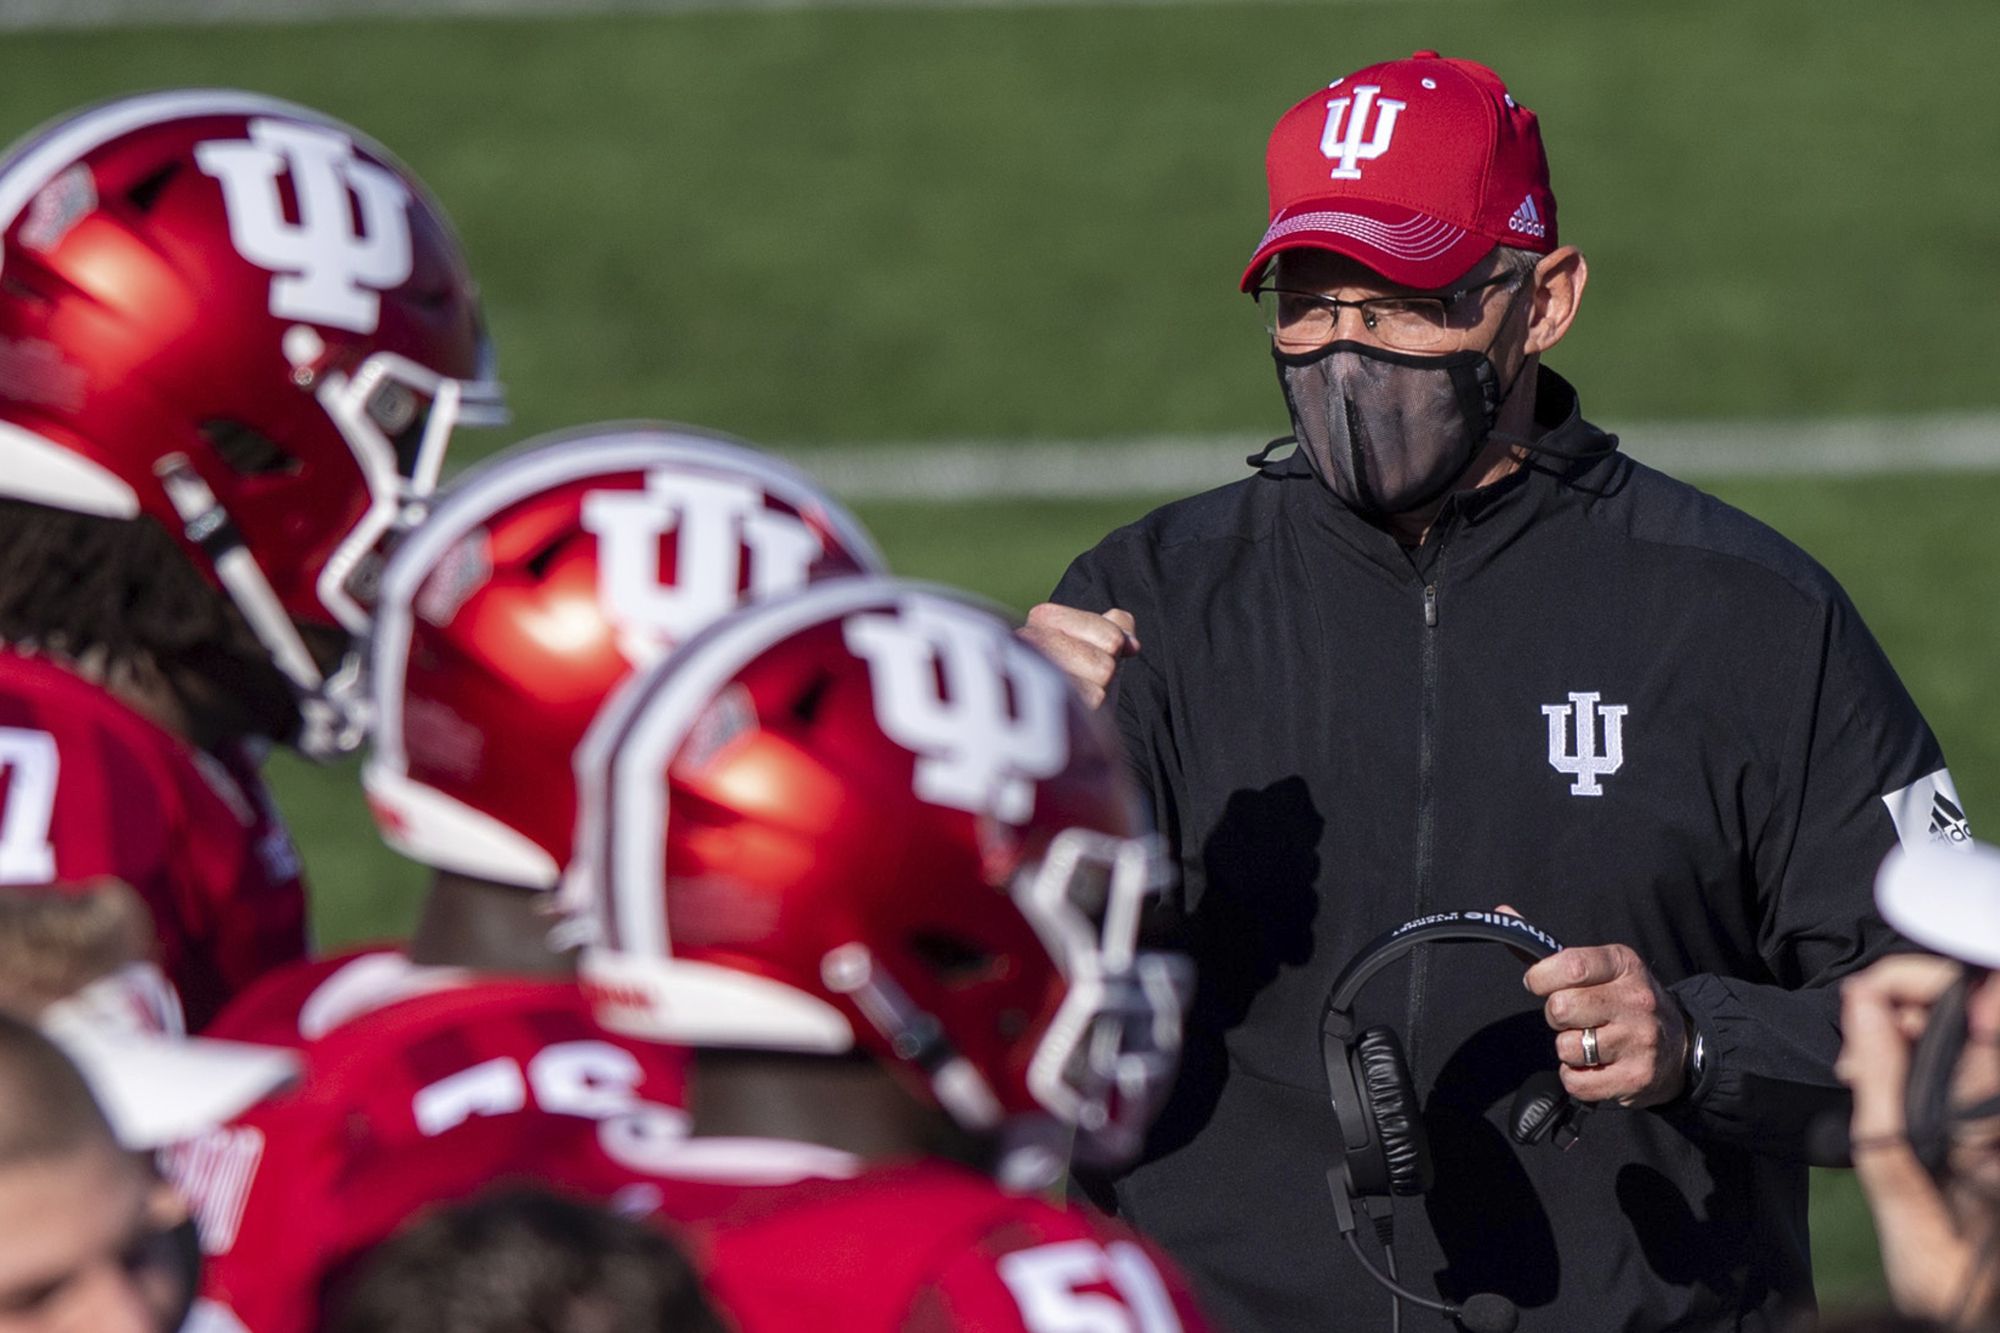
x,y
1109,1055
396,417
1102,1063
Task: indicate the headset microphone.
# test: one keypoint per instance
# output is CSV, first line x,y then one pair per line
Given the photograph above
x,y
1375,1101
1487,1313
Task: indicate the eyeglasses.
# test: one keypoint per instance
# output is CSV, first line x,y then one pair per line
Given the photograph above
x,y
1303,320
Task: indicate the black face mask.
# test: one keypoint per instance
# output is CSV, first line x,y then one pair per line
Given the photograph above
x,y
1389,432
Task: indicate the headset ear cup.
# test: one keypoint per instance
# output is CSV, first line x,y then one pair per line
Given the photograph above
x,y
1538,1107
1384,1075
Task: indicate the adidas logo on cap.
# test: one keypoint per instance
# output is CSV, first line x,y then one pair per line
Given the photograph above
x,y
1527,220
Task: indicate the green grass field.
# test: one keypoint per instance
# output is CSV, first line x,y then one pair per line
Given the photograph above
x,y
992,222
996,223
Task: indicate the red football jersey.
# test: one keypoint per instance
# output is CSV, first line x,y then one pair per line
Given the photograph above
x,y
89,788
456,1084
788,1236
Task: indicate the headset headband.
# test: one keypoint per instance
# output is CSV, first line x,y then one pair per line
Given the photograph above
x,y
1439,928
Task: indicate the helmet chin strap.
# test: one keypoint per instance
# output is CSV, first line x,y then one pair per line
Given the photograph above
x,y
331,720
915,1036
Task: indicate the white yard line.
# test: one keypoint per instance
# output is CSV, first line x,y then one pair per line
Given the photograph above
x,y
1182,464
22,15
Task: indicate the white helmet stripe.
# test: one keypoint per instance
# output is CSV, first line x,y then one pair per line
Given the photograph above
x,y
42,154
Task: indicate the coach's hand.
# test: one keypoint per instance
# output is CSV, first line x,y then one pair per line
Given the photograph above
x,y
1086,645
1640,1032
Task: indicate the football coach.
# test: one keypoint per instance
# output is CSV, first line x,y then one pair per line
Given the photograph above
x,y
1456,650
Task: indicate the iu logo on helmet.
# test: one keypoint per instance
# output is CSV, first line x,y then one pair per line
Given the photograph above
x,y
941,676
326,271
1346,141
716,522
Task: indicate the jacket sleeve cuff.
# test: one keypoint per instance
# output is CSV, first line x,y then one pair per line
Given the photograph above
x,y
1702,1068
1764,1084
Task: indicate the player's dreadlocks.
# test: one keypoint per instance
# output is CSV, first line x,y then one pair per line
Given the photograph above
x,y
118,600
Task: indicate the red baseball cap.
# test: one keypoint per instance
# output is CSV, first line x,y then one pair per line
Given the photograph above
x,y
1414,167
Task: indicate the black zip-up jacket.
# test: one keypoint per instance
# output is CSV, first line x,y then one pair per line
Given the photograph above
x,y
1335,742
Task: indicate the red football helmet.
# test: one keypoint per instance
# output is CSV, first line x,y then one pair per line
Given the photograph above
x,y
243,320
541,580
869,815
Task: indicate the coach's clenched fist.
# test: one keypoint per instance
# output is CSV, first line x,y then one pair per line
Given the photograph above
x,y
1084,644
1619,1035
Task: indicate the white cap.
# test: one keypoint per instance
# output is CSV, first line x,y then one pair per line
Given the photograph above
x,y
160,1090
155,1085
1945,897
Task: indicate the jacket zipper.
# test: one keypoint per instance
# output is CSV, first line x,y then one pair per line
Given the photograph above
x,y
1427,726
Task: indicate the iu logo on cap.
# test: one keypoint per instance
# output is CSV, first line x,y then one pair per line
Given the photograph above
x,y
1347,140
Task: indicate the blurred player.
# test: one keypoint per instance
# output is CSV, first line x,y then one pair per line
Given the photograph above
x,y
234,339
539,582
427,1099
76,960
89,1238
873,859
1920,1049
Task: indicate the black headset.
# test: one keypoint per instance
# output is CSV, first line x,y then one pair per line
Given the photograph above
x,y
1383,1148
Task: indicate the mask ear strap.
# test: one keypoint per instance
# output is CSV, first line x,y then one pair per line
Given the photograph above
x,y
1261,460
1474,406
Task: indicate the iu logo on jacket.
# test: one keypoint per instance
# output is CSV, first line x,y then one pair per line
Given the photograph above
x,y
1575,751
